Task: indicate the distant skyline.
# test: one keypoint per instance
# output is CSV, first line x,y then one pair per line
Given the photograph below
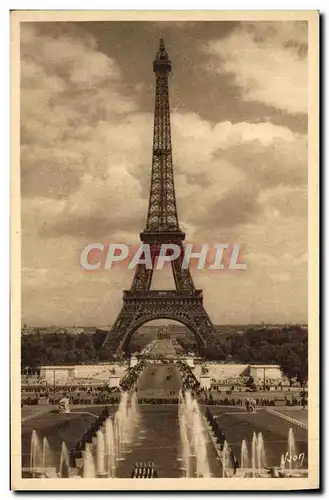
x,y
149,324
239,101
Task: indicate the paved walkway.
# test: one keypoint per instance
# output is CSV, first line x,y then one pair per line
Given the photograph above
x,y
159,381
158,434
158,441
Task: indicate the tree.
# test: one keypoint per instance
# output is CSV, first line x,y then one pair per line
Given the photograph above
x,y
290,363
302,374
251,383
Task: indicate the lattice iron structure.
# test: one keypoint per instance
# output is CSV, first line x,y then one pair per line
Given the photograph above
x,y
140,304
162,212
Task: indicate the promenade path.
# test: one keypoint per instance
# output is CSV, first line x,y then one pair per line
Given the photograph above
x,y
158,435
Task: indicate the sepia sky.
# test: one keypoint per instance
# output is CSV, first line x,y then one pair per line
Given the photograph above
x,y
239,101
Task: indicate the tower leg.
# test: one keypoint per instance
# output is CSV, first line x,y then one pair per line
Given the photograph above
x,y
169,305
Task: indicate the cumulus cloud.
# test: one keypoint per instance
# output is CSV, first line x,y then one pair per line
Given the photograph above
x,y
268,61
228,166
75,58
61,107
225,167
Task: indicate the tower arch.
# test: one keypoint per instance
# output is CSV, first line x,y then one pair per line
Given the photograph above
x,y
148,318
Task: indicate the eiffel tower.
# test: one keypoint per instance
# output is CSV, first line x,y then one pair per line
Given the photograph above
x,y
140,304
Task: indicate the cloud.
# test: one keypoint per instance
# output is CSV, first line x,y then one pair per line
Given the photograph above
x,y
280,277
99,208
268,62
260,259
287,201
236,206
226,167
86,157
280,161
96,145
75,58
223,166
68,89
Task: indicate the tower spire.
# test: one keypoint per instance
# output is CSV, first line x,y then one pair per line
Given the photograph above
x,y
162,211
162,52
161,64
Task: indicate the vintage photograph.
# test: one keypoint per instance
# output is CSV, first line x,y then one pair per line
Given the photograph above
x,y
164,191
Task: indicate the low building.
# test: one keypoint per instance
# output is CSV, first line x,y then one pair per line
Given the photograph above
x,y
265,372
77,373
235,373
57,374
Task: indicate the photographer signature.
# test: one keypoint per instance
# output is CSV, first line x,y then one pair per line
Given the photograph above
x,y
289,458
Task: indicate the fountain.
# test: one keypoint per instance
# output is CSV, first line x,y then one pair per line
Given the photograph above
x,y
260,453
110,445
225,458
183,427
134,410
193,440
42,462
291,448
117,436
244,461
125,420
257,454
121,419
45,453
253,454
110,448
100,453
290,462
89,469
112,440
185,446
35,454
200,442
64,465
48,467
